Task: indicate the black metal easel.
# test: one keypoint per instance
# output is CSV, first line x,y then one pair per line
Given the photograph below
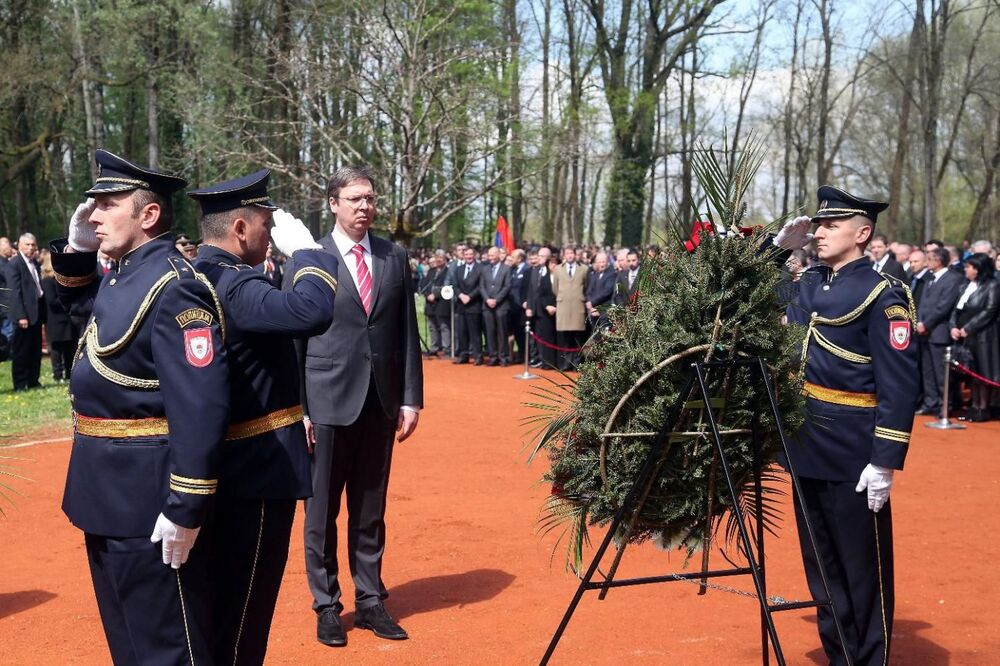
x,y
697,381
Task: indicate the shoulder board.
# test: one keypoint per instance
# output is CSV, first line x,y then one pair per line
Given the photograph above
x,y
182,267
893,281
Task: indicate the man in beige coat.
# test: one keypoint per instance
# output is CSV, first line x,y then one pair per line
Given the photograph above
x,y
569,281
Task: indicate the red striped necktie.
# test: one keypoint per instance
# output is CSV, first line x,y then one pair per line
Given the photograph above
x,y
364,278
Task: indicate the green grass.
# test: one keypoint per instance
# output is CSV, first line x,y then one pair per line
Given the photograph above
x,y
32,411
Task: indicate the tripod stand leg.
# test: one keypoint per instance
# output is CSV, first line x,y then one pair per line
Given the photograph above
x,y
808,523
740,518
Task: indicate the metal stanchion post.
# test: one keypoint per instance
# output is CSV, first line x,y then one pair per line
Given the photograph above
x,y
944,423
527,339
453,341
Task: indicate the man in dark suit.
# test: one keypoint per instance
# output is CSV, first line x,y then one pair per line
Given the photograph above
x,y
627,280
919,276
519,273
362,382
600,287
26,304
494,287
542,311
882,259
468,309
436,309
936,303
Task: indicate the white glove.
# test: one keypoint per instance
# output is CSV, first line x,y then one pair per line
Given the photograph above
x,y
795,234
83,232
289,234
878,481
177,541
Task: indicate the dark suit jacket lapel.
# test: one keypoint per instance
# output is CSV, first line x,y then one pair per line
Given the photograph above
x,y
380,249
343,273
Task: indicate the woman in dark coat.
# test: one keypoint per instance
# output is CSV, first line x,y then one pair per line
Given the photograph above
x,y
974,322
60,332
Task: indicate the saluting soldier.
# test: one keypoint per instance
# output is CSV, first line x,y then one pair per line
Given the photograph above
x,y
150,396
861,384
266,465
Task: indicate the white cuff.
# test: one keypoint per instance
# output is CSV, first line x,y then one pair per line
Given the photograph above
x,y
411,408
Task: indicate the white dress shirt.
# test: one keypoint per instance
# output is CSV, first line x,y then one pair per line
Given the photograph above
x,y
346,247
970,289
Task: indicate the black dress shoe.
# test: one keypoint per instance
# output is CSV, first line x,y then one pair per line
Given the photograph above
x,y
504,363
493,362
460,360
329,630
536,364
478,361
377,619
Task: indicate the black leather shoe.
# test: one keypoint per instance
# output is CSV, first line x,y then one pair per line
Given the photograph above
x,y
493,362
460,360
504,363
478,361
377,619
536,364
329,630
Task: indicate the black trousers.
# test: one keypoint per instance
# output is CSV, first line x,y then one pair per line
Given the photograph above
x,y
497,330
570,340
545,328
61,354
356,457
470,334
856,546
152,614
26,356
515,321
249,545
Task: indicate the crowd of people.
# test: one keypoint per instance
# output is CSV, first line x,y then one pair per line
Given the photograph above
x,y
479,300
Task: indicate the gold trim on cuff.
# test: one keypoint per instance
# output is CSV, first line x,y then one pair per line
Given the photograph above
x,y
81,281
318,272
900,436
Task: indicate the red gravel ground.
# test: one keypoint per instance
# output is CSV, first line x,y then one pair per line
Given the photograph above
x,y
474,583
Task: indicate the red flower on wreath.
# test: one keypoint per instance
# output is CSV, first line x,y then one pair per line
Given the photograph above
x,y
695,239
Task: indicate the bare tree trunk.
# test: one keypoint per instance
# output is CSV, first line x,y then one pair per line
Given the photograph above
x,y
516,139
825,10
933,70
787,120
548,225
985,202
903,128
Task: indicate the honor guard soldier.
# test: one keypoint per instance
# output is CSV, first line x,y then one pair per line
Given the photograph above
x,y
861,383
150,396
266,465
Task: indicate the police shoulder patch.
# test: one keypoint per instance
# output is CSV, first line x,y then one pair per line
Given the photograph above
x,y
897,312
194,315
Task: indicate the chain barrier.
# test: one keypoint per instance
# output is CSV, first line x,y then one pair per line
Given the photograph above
x,y
543,343
968,371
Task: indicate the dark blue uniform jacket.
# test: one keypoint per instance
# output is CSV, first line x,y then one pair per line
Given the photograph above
x,y
265,450
860,364
150,391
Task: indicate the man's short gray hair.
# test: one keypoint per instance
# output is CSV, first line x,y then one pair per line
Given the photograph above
x,y
27,237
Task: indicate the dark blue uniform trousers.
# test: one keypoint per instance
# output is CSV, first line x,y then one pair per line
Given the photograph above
x,y
249,541
856,546
357,457
152,614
